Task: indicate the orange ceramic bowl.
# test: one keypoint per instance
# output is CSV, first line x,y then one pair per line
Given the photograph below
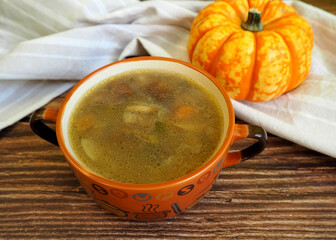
x,y
151,201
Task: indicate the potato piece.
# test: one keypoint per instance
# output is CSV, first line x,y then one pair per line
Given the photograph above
x,y
90,148
130,117
190,126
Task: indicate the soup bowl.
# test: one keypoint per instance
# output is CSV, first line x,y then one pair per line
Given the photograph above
x,y
157,201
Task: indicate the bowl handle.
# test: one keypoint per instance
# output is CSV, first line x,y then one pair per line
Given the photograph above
x,y
246,131
38,126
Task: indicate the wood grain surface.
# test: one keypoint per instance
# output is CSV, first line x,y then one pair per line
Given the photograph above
x,y
287,192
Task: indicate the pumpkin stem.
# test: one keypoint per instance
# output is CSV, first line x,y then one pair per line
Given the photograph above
x,y
253,22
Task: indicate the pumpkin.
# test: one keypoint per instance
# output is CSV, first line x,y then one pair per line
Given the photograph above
x,y
257,49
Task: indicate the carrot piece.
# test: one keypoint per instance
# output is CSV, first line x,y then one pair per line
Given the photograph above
x,y
184,112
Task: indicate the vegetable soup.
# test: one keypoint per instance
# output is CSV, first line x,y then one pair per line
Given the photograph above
x,y
145,126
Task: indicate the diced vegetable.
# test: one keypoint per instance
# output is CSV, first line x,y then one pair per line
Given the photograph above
x,y
130,117
170,161
141,109
185,118
148,138
158,89
190,126
184,112
138,113
121,89
89,148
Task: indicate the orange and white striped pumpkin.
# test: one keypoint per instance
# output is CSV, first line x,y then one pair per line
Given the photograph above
x,y
258,49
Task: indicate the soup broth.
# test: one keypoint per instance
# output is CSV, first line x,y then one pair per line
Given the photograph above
x,y
145,126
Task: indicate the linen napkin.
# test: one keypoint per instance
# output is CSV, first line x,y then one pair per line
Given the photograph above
x,y
46,46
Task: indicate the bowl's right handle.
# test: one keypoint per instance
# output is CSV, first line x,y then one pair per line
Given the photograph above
x,y
38,126
246,131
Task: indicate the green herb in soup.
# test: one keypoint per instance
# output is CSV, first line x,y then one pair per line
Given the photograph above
x,y
145,126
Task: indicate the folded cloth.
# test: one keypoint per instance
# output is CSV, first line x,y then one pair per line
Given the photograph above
x,y
46,46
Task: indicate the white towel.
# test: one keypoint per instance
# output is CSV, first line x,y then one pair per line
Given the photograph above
x,y
45,46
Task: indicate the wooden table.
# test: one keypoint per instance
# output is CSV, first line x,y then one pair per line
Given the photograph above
x,y
287,191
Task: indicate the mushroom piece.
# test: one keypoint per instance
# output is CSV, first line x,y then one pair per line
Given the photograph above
x,y
141,109
138,113
158,89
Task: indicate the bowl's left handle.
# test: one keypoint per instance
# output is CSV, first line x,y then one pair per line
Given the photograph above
x,y
37,124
